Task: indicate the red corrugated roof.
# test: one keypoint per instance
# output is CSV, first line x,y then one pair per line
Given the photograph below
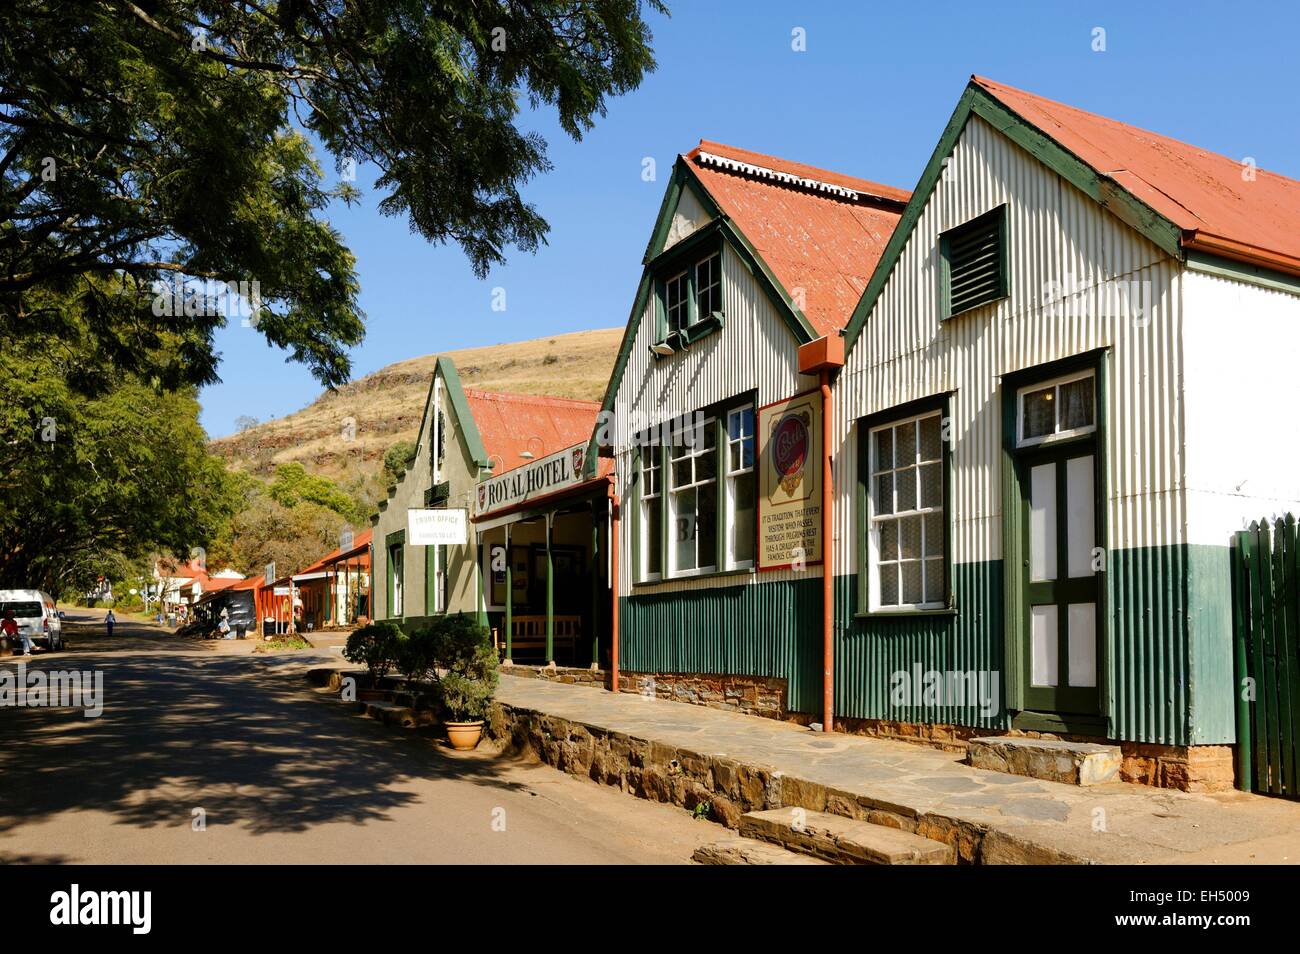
x,y
359,543
814,239
513,423
1203,193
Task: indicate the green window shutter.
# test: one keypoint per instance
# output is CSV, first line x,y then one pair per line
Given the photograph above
x,y
975,262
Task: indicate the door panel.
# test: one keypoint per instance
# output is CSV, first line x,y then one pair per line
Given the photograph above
x,y
1061,593
1042,522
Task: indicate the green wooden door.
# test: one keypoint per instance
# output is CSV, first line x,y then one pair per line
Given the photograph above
x,y
1059,520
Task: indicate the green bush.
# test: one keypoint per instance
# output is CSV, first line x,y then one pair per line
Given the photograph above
x,y
377,645
466,666
417,656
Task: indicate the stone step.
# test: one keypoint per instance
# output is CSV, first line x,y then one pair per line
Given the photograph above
x,y
392,713
1052,760
843,841
743,851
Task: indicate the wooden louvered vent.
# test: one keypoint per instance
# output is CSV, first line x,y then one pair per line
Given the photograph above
x,y
974,257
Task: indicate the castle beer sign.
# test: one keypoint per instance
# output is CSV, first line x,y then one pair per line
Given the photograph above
x,y
789,490
539,478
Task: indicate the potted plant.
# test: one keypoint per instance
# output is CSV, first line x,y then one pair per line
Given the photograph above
x,y
377,646
465,676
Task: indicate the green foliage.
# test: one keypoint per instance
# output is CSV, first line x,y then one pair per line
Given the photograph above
x,y
292,486
466,666
97,472
397,458
417,655
161,140
376,646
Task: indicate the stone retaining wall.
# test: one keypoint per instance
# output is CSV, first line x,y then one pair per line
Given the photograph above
x,y
727,788
752,695
569,676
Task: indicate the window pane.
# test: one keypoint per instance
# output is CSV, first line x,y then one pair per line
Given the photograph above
x,y
1039,410
735,425
1077,404
1082,639
905,484
934,534
909,537
1042,522
931,442
742,531
706,537
706,465
733,456
682,472
889,584
936,590
889,540
684,531
912,582
931,485
884,499
905,444
884,449
747,452
653,537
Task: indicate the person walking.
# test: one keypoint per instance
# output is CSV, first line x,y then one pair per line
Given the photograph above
x,y
9,627
110,621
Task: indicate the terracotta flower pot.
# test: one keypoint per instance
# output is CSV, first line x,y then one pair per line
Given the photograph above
x,y
464,736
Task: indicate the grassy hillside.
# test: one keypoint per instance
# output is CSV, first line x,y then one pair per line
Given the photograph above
x,y
386,405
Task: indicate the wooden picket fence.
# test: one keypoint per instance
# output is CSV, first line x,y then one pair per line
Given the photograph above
x,y
1266,609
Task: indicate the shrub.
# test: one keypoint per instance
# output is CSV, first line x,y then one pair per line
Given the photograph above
x,y
417,656
377,646
466,673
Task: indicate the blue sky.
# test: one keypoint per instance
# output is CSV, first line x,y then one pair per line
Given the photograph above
x,y
869,97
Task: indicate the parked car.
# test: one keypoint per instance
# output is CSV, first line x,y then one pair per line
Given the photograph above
x,y
36,616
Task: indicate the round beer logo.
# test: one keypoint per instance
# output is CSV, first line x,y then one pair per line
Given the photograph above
x,y
790,448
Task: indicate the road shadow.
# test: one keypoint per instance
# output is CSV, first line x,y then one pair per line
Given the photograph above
x,y
241,738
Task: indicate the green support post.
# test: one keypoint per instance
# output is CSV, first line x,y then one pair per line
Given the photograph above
x,y
595,585
550,594
510,597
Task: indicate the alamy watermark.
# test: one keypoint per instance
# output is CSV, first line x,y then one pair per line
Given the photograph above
x,y
52,689
953,688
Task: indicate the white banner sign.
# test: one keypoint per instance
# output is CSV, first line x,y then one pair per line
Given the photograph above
x,y
437,527
557,471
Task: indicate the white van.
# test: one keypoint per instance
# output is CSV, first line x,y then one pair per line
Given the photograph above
x,y
36,616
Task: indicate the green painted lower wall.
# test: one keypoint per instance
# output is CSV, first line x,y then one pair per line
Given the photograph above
x,y
1170,669
871,650
759,629
1212,682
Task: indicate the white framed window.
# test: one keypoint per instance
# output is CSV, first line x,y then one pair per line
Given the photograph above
x,y
907,524
741,531
708,286
652,513
1056,409
693,502
677,302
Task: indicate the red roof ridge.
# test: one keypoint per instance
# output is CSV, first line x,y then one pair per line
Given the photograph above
x,y
797,174
543,400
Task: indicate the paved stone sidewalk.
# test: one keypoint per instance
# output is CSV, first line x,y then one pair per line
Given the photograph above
x,y
994,817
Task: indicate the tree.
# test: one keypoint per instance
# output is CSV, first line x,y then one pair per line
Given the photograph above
x,y
88,483
166,141
397,458
245,422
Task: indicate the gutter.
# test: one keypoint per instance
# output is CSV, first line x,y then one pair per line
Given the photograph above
x,y
1241,252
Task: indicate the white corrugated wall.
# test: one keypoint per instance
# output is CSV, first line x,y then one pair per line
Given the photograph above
x,y
1073,267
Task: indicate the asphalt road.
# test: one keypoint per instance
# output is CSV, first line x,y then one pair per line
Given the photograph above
x,y
281,773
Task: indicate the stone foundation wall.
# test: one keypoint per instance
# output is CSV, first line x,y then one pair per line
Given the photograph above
x,y
752,695
564,675
1188,768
